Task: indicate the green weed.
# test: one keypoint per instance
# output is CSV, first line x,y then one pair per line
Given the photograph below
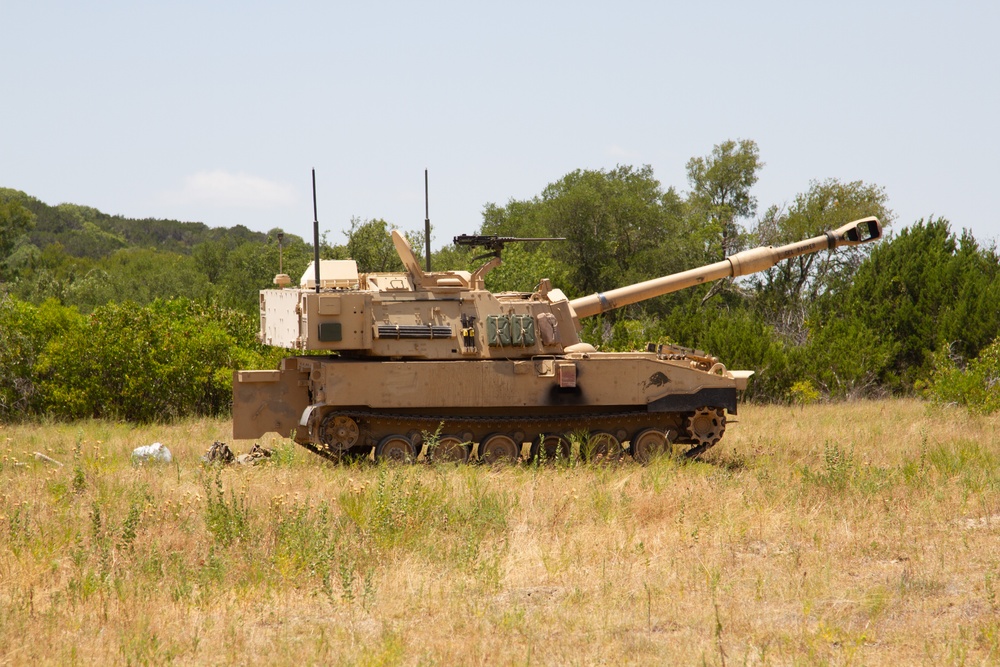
x,y
227,520
841,473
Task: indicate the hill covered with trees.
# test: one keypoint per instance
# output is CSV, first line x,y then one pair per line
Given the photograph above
x,y
99,312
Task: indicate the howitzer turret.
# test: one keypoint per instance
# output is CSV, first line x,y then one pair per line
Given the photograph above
x,y
497,376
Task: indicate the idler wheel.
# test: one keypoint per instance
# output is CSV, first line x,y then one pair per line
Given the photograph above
x,y
498,448
448,449
395,448
601,447
550,448
705,427
651,443
339,433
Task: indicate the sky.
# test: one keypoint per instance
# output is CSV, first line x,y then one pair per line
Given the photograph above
x,y
216,112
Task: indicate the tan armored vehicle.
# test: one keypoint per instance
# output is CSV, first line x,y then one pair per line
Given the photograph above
x,y
493,376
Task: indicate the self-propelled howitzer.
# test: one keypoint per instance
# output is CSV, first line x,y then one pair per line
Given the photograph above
x,y
495,376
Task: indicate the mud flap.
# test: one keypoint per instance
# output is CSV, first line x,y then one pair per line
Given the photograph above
x,y
267,402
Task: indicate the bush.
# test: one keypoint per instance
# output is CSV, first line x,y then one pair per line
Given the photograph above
x,y
844,357
169,359
624,334
977,386
742,340
922,289
25,331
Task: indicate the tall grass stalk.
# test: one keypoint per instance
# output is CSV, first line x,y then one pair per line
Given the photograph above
x,y
857,533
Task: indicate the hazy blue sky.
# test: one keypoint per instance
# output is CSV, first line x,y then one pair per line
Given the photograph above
x,y
216,111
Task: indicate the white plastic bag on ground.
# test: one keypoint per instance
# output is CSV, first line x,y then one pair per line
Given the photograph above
x,y
154,453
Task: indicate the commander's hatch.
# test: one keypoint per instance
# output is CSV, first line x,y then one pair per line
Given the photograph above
x,y
407,255
449,280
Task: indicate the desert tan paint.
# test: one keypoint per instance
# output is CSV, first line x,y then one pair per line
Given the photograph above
x,y
438,343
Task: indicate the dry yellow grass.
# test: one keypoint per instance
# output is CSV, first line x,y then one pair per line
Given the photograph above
x,y
859,533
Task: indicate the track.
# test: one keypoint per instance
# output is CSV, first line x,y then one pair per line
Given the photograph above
x,y
601,436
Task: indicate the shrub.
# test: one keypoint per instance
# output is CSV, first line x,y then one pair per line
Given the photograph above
x,y
168,359
25,331
977,386
844,357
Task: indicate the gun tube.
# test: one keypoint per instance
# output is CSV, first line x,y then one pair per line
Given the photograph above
x,y
740,264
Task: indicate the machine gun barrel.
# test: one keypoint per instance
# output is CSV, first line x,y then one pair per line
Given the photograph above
x,y
495,243
740,264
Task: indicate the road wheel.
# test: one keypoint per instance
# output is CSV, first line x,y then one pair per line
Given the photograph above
x,y
601,447
448,449
649,444
395,448
499,448
554,447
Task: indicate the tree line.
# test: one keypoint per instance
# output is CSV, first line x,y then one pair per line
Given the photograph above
x,y
145,319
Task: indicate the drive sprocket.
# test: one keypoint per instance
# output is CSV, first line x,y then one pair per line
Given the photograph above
x,y
705,427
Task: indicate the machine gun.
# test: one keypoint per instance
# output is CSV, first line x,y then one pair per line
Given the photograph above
x,y
495,243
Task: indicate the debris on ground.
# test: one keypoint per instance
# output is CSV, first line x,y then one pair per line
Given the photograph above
x,y
254,456
219,452
154,453
47,459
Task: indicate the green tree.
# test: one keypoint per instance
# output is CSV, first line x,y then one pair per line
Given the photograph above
x,y
614,223
15,223
522,269
617,225
210,259
785,293
720,194
252,266
370,245
140,275
844,357
517,218
742,340
924,289
50,274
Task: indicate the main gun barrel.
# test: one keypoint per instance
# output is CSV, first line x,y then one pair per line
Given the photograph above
x,y
740,264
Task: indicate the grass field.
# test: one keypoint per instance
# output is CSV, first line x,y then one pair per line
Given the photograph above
x,y
857,533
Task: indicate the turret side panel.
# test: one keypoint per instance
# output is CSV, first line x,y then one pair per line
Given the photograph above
x,y
336,321
444,324
279,318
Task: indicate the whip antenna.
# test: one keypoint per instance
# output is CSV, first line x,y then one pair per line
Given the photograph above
x,y
315,232
427,223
